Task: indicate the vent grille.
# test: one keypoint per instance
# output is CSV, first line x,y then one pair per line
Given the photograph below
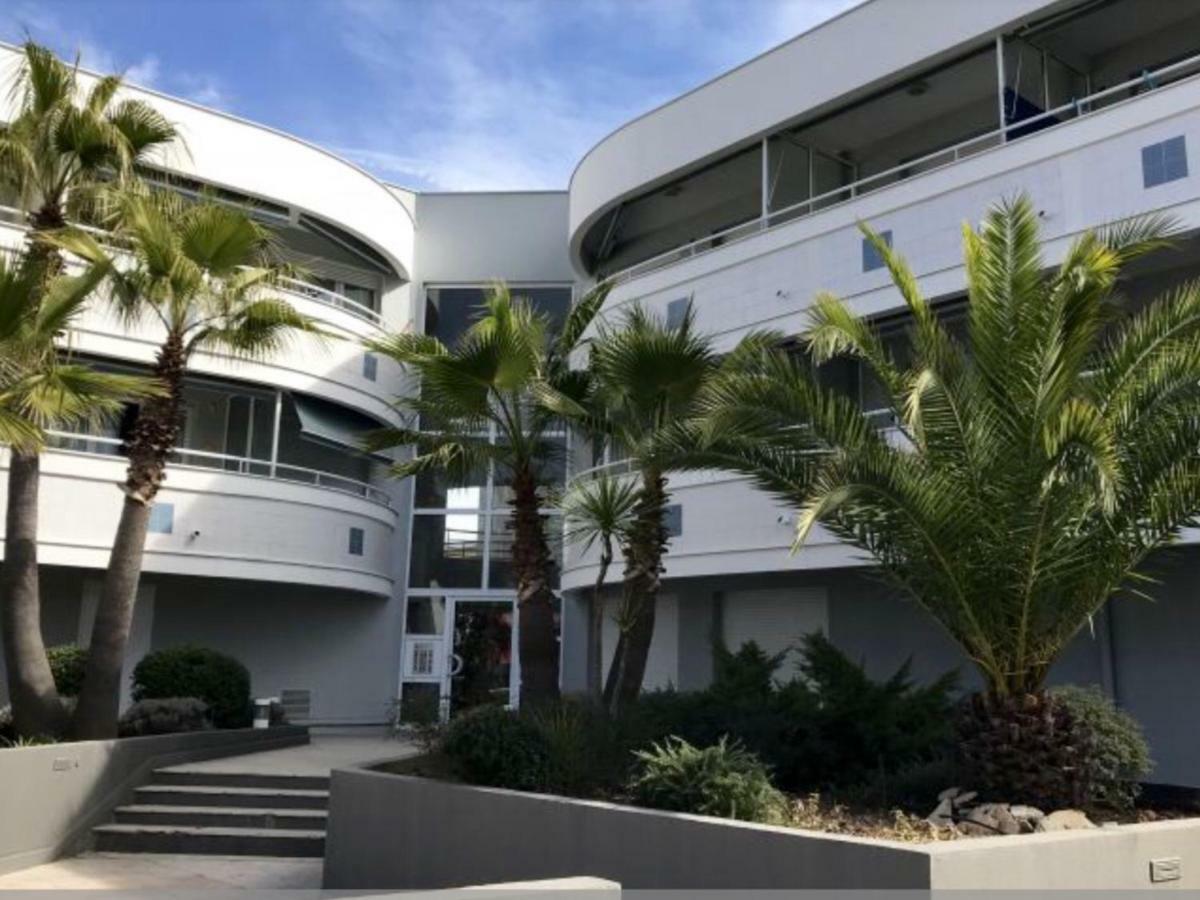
x,y
423,658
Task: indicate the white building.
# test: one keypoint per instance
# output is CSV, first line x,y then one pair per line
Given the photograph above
x,y
740,199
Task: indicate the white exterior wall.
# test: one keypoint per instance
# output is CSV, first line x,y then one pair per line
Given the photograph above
x,y
768,279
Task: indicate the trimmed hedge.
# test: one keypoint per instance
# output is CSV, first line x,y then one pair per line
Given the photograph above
x,y
219,680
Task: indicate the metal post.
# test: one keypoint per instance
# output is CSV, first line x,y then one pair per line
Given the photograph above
x,y
1000,85
765,206
1045,81
275,431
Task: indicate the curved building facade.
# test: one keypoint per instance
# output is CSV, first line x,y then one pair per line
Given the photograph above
x,y
739,200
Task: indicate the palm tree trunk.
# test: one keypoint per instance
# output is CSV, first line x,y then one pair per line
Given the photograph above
x,y
36,707
596,650
155,433
533,567
643,572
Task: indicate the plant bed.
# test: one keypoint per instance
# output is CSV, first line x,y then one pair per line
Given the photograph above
x,y
402,831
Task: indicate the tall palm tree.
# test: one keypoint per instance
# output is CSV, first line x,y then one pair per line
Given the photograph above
x,y
40,388
202,273
644,378
60,143
488,379
597,512
1038,462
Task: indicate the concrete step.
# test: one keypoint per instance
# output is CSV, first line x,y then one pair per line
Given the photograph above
x,y
242,797
214,841
240,779
221,817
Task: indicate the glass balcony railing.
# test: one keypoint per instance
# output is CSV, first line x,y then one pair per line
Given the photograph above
x,y
1147,82
100,445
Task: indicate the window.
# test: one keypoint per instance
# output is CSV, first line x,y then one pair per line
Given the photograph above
x,y
871,259
356,541
363,296
673,520
162,518
677,311
370,367
450,311
1163,162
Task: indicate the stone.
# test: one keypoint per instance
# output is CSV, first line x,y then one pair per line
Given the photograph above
x,y
990,818
1027,817
943,815
1065,820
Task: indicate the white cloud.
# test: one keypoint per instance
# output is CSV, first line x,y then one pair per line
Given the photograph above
x,y
477,96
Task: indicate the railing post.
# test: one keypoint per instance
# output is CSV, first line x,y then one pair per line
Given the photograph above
x,y
275,431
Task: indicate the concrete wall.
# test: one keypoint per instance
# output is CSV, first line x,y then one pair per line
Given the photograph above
x,y
341,646
54,795
393,831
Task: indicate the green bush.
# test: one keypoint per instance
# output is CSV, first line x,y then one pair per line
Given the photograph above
x,y
1117,755
67,664
831,727
169,715
220,681
722,780
491,745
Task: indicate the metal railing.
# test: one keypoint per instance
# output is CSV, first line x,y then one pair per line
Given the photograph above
x,y
1148,81
102,445
295,286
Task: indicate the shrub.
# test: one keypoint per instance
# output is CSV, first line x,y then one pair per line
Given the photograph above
x,y
748,674
722,780
1118,757
220,681
67,663
7,732
167,715
494,746
1069,746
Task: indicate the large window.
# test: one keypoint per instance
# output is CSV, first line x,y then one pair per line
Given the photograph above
x,y
450,310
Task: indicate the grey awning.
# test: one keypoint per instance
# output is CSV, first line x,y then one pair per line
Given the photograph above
x,y
331,424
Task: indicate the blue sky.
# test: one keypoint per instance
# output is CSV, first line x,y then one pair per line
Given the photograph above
x,y
431,94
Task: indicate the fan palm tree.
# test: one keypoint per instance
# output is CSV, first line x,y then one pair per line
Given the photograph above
x,y
644,378
488,380
1038,462
40,389
59,144
202,273
597,512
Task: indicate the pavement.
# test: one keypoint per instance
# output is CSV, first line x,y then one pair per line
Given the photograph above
x,y
320,757
179,872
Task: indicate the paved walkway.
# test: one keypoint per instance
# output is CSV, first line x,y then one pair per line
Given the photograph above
x,y
320,757
140,871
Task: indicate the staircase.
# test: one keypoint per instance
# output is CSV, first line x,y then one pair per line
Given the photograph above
x,y
227,814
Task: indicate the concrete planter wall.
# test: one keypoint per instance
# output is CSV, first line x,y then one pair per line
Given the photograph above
x,y
52,796
394,831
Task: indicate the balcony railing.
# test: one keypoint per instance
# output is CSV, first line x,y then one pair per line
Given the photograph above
x,y
1148,81
294,286
238,465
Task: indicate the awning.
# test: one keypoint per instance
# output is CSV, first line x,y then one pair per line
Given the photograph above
x,y
331,424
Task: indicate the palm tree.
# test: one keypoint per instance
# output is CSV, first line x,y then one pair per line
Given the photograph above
x,y
59,144
487,380
202,272
595,512
40,389
644,378
1037,463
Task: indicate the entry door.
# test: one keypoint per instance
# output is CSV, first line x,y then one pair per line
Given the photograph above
x,y
481,659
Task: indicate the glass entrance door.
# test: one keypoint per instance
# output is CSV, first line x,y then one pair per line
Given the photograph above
x,y
480,666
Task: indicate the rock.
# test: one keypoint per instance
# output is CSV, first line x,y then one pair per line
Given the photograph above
x,y
1027,817
943,815
1065,820
990,818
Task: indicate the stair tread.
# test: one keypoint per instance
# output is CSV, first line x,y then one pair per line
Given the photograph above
x,y
214,830
219,810
211,789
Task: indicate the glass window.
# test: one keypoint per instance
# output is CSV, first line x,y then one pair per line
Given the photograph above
x,y
425,615
363,296
434,490
420,703
447,551
788,172
450,311
500,563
